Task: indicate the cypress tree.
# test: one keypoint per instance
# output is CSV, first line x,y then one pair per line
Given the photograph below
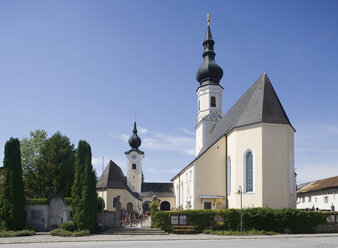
x,y
84,196
12,200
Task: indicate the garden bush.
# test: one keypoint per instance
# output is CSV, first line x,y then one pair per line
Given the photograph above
x,y
68,226
37,201
4,233
260,219
64,233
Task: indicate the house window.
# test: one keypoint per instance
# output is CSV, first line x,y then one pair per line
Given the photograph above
x,y
228,176
190,175
303,199
133,166
213,101
114,202
309,198
207,205
326,199
315,199
186,177
249,172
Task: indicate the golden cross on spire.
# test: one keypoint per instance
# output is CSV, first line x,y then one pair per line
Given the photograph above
x,y
208,18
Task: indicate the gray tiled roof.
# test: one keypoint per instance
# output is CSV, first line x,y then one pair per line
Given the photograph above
x,y
113,178
158,189
258,104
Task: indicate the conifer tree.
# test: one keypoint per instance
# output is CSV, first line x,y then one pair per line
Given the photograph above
x,y
12,199
84,196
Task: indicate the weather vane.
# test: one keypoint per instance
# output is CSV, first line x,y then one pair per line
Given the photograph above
x,y
208,18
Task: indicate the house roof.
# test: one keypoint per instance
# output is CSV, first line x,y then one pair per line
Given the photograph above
x,y
158,189
327,183
259,104
113,178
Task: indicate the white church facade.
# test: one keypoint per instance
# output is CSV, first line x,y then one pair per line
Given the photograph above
x,y
249,149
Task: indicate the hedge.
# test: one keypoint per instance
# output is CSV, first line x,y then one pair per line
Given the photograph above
x,y
43,201
267,219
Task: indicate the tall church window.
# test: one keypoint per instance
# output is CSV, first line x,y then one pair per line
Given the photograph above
x,y
248,172
199,105
213,101
228,176
133,166
291,173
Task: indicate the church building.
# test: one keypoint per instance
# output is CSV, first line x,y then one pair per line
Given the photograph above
x,y
248,151
135,194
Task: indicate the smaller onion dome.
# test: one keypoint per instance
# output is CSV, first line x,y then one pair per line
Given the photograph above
x,y
134,140
209,72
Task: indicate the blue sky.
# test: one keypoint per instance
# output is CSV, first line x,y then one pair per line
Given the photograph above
x,y
86,67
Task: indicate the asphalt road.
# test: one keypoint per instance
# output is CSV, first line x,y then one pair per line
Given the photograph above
x,y
308,242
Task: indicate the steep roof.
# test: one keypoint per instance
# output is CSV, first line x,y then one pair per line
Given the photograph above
x,y
327,183
113,178
258,104
158,189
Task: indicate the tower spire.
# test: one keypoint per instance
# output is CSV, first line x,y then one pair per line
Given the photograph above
x,y
209,72
134,140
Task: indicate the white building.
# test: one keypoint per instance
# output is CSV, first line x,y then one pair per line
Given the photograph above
x,y
318,195
251,146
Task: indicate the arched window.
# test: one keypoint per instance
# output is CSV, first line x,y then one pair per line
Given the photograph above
x,y
199,105
114,202
249,172
228,176
133,166
213,101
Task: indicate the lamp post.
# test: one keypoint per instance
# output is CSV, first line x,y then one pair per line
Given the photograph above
x,y
240,192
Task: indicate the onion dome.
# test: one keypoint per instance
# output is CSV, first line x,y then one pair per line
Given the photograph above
x,y
209,72
134,140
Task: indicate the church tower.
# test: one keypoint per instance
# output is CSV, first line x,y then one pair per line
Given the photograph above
x,y
209,92
134,164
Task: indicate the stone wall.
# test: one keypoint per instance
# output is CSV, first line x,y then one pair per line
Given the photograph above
x,y
111,219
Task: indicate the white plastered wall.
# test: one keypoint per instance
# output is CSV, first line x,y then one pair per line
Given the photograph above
x,y
278,166
240,140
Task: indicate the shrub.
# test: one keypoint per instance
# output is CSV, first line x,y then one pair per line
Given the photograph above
x,y
68,200
267,219
68,226
16,233
154,210
64,233
100,204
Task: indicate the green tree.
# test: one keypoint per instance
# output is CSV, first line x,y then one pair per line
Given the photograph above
x,y
12,199
31,149
56,166
84,196
154,209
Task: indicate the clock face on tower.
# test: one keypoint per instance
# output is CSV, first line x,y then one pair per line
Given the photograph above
x,y
213,116
133,157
